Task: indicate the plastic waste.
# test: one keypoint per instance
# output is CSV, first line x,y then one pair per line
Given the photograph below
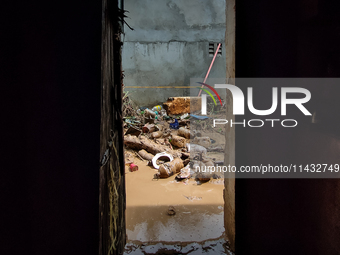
x,y
184,116
141,110
184,173
199,117
157,108
148,113
163,112
133,167
174,125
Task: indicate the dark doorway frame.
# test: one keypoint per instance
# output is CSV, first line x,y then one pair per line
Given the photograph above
x,y
112,200
112,205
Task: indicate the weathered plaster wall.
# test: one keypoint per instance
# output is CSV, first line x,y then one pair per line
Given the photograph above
x,y
169,45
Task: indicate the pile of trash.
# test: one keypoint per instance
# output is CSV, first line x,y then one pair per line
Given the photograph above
x,y
169,145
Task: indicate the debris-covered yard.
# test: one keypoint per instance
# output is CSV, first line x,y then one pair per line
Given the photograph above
x,y
173,141
168,198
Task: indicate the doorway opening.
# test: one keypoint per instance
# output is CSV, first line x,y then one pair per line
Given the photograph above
x,y
184,205
175,205
172,203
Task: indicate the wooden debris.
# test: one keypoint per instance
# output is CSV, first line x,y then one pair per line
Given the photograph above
x,y
128,109
133,131
170,168
159,127
160,141
166,132
150,146
149,113
157,134
139,156
185,155
186,161
178,141
145,155
184,132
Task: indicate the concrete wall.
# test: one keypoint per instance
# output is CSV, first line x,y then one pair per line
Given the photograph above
x,y
169,45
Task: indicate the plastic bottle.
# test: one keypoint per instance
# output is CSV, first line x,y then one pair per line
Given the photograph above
x,y
141,110
148,113
157,108
174,125
163,112
184,116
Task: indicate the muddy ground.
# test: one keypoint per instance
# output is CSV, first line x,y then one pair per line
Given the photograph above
x,y
215,247
171,216
198,214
